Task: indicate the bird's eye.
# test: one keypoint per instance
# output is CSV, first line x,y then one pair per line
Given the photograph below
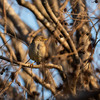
x,y
43,38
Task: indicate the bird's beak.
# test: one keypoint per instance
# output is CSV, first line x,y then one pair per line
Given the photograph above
x,y
44,39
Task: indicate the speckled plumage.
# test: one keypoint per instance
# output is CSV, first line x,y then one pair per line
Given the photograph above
x,y
37,49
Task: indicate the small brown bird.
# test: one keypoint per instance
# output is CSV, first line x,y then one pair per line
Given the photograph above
x,y
37,49
37,52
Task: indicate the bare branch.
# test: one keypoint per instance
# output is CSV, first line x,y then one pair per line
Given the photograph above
x,y
8,46
64,5
50,66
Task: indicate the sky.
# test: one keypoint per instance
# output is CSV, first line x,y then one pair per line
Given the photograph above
x,y
29,18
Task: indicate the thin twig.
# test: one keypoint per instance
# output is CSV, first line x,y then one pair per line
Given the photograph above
x,y
5,19
50,66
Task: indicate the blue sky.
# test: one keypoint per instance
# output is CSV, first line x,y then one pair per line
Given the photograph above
x,y
29,18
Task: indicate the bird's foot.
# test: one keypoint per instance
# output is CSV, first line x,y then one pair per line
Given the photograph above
x,y
31,64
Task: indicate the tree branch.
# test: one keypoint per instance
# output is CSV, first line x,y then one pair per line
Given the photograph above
x,y
49,66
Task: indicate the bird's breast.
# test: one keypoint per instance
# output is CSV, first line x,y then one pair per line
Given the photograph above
x,y
37,51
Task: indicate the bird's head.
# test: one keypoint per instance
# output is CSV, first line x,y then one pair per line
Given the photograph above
x,y
40,38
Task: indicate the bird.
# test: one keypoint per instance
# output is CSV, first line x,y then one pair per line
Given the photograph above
x,y
37,52
37,49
